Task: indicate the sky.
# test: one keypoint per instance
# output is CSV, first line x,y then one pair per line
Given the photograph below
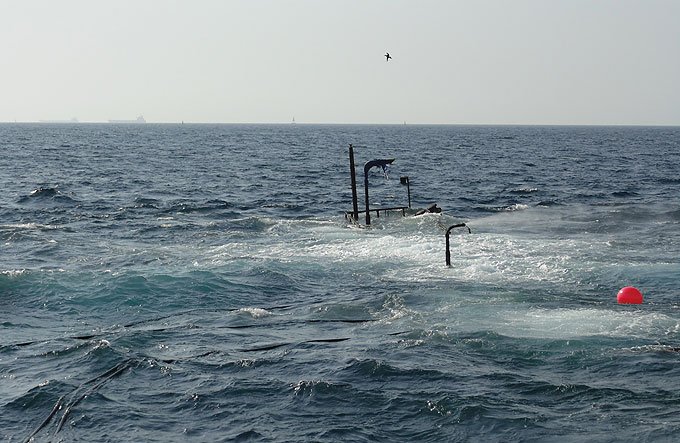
x,y
561,62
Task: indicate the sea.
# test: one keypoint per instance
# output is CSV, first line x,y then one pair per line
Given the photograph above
x,y
203,283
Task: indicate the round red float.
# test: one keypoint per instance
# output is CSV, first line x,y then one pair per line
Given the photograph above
x,y
629,296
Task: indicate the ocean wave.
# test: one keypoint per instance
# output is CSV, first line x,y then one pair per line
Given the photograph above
x,y
46,195
624,194
145,202
511,208
55,421
654,348
189,207
548,203
309,388
504,208
669,180
379,369
44,192
524,190
673,215
42,396
255,312
31,226
564,323
13,273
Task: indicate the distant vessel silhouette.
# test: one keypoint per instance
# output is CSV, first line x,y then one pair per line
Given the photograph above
x,y
139,119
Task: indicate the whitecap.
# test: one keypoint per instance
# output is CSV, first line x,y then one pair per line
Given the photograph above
x,y
255,312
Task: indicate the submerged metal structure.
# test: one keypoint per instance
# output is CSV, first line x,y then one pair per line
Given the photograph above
x,y
352,174
404,180
355,206
367,167
448,231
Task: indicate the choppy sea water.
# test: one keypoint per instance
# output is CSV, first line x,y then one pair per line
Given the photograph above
x,y
200,283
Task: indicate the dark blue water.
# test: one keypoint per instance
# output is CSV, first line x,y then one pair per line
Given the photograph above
x,y
200,283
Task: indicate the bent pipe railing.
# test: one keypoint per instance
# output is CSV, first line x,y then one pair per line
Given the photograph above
x,y
448,231
379,162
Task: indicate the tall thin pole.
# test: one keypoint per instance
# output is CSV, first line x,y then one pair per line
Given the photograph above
x,y
405,181
408,188
368,210
352,174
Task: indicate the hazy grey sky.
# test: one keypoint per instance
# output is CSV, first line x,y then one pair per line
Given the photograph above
x,y
486,62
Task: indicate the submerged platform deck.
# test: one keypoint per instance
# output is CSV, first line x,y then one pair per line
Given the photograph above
x,y
348,214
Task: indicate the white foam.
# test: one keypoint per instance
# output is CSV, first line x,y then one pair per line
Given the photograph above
x,y
516,207
13,272
28,226
413,249
502,251
568,323
255,312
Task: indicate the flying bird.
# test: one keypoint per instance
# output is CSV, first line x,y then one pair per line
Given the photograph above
x,y
387,56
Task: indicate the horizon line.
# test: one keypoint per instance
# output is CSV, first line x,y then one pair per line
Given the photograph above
x,y
296,123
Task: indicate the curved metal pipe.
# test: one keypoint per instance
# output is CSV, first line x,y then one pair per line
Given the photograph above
x,y
369,164
448,231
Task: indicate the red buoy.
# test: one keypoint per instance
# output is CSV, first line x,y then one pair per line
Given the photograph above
x,y
629,295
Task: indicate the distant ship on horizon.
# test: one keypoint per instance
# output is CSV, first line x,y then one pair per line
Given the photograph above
x,y
139,119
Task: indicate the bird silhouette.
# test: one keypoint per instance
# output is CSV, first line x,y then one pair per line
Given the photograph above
x,y
387,56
